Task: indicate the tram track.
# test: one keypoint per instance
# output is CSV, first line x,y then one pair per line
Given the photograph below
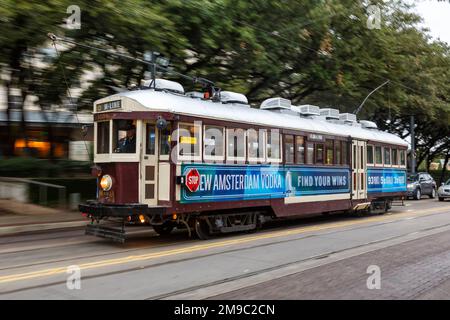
x,y
167,241
284,265
31,236
189,241
229,279
233,250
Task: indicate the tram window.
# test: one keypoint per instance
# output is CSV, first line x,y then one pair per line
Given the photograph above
x,y
319,153
337,151
189,136
236,144
300,151
124,136
329,151
361,157
395,157
164,140
387,156
344,152
369,154
103,137
255,142
214,143
310,153
150,136
378,155
402,158
289,149
273,146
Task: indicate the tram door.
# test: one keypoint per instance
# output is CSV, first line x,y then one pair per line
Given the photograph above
x,y
359,169
149,165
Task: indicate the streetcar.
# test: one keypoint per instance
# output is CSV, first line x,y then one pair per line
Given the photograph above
x,y
211,163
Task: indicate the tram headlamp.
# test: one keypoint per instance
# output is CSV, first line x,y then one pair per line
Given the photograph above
x,y
106,182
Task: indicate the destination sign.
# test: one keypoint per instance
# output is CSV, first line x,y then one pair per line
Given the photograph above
x,y
315,137
110,105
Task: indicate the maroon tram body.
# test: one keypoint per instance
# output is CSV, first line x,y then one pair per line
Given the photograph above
x,y
287,164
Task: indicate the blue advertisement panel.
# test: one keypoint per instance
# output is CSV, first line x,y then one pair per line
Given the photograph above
x,y
386,180
213,182
311,181
229,182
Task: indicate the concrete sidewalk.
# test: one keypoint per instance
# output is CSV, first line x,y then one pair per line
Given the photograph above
x,y
16,217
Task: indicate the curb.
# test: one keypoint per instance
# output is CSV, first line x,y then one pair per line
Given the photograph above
x,y
17,229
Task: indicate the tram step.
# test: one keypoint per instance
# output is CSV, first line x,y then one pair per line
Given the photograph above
x,y
398,203
238,228
114,234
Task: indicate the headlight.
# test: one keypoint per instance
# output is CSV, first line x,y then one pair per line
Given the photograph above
x,y
106,182
410,186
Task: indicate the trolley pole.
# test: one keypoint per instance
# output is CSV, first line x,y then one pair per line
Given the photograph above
x,y
150,57
413,146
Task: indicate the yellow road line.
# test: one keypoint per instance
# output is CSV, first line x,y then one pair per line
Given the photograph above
x,y
218,244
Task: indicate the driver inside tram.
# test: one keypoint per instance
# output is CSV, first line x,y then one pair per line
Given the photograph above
x,y
128,143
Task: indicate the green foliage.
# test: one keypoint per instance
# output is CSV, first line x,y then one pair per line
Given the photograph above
x,y
309,51
85,186
31,167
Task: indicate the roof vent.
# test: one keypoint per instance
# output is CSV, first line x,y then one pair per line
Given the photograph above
x,y
347,117
368,124
308,110
233,97
330,113
276,103
195,94
163,84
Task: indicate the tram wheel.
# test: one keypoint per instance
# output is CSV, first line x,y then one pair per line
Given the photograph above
x,y
163,229
202,229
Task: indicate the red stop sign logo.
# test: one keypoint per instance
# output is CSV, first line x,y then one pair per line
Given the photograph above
x,y
193,180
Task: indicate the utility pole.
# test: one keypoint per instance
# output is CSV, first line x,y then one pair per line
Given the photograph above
x,y
413,146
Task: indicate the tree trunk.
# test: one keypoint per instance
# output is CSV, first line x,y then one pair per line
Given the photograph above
x,y
23,125
9,143
444,168
429,160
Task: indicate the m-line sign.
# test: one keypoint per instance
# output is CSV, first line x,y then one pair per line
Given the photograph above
x,y
110,105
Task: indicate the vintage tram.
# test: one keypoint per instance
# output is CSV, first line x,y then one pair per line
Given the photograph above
x,y
213,164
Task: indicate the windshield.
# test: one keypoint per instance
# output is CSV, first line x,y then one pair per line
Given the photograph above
x,y
447,183
412,177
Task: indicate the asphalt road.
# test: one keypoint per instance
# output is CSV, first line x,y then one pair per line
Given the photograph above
x,y
325,257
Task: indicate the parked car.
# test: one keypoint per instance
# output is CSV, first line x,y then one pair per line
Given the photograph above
x,y
444,191
420,184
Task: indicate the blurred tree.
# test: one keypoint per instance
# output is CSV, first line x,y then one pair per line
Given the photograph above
x,y
309,51
21,39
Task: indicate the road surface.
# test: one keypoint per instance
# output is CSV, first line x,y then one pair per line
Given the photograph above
x,y
325,257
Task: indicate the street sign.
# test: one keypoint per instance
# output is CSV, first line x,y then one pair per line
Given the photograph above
x,y
193,180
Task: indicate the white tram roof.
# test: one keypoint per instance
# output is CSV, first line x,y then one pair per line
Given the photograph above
x,y
183,105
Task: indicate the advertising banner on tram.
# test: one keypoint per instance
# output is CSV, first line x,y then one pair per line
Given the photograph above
x,y
205,182
386,180
315,181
